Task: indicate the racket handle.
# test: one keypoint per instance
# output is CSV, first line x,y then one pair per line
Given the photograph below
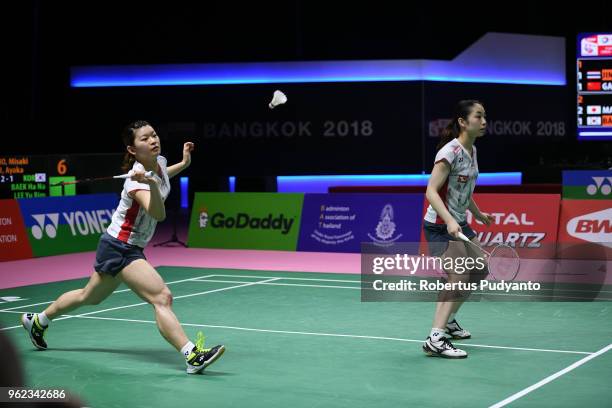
x,y
148,174
463,237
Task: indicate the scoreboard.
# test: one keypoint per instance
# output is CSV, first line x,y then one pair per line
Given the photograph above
x,y
32,176
23,176
594,86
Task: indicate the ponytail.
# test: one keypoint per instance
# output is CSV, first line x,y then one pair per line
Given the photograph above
x,y
128,162
128,140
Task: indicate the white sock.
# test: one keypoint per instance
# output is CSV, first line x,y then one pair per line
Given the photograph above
x,y
43,319
186,350
451,317
436,334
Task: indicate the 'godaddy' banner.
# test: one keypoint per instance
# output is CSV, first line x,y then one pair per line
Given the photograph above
x,y
587,184
60,225
245,220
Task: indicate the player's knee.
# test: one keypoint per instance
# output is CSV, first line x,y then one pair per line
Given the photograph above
x,y
94,301
164,298
87,298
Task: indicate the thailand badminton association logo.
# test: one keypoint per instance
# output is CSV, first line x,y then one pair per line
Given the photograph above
x,y
49,228
385,229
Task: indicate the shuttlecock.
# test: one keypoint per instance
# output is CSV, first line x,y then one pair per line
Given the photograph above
x,y
278,99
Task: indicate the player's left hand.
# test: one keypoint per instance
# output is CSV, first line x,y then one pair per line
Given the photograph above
x,y
187,149
486,219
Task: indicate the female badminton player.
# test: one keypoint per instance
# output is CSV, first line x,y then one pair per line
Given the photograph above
x,y
449,193
120,257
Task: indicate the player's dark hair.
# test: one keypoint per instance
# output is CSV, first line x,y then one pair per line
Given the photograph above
x,y
453,130
128,134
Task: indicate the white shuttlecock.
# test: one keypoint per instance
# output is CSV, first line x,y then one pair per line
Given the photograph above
x,y
278,99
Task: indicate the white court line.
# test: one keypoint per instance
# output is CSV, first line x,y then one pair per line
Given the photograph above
x,y
411,276
329,334
550,378
288,278
420,277
420,291
116,291
319,280
283,284
64,317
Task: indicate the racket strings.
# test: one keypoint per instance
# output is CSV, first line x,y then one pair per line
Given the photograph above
x,y
504,262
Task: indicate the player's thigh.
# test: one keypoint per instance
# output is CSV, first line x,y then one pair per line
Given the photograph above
x,y
144,280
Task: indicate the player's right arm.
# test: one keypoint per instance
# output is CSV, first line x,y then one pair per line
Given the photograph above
x,y
151,200
438,177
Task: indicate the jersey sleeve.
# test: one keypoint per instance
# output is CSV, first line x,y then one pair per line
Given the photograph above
x,y
447,154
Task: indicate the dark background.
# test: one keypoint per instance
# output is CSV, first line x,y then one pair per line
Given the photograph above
x,y
41,114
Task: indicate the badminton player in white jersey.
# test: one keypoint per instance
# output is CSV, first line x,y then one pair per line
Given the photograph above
x,y
120,257
449,193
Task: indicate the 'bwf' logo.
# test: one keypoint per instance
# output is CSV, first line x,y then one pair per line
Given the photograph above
x,y
50,229
599,186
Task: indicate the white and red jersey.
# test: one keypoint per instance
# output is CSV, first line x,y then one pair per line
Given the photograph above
x,y
131,223
459,187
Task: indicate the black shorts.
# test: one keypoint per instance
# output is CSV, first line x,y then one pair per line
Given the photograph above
x,y
113,255
437,236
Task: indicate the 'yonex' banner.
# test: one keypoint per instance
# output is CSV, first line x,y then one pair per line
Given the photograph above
x,y
245,220
60,225
587,184
341,222
14,242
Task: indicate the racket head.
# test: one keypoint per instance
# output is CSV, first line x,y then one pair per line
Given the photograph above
x,y
504,262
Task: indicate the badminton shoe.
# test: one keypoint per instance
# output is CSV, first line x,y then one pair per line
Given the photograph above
x,y
36,330
201,357
456,332
442,348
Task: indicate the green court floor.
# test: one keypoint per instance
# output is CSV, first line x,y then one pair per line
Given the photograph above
x,y
306,340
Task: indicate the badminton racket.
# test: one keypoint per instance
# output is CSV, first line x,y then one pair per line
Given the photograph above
x,y
503,260
148,174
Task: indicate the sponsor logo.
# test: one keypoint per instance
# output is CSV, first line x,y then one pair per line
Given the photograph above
x,y
80,223
244,221
203,218
600,185
594,227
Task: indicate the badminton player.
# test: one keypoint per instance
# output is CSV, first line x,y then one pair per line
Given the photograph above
x,y
449,193
120,257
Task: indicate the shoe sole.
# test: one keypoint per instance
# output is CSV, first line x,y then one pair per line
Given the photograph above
x,y
214,358
432,354
25,326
